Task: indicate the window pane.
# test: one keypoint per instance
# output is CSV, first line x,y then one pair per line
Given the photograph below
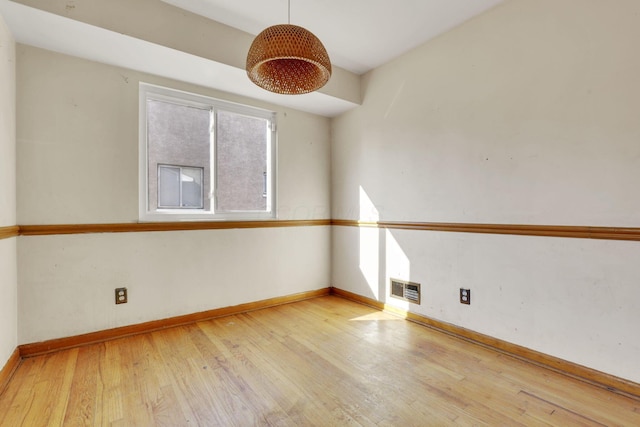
x,y
178,135
241,162
191,179
168,187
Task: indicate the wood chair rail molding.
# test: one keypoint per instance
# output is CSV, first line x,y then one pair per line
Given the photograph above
x,y
567,231
572,231
43,230
8,232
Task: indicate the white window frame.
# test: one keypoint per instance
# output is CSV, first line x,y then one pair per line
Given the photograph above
x,y
148,91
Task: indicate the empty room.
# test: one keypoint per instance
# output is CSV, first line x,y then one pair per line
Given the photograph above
x,y
319,213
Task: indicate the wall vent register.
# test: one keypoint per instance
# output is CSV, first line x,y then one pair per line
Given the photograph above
x,y
407,291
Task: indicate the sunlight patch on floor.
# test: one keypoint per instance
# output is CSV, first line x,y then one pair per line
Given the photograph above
x,y
378,315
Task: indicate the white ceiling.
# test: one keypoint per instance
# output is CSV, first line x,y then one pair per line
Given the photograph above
x,y
359,35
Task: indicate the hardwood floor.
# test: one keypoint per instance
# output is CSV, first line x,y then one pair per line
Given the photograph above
x,y
325,361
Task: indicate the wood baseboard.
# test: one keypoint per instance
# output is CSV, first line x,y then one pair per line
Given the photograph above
x,y
50,346
9,368
592,376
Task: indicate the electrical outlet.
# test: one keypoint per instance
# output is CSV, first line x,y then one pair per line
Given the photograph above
x,y
121,295
465,296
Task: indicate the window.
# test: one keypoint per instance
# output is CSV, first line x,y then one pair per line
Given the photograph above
x,y
202,158
180,187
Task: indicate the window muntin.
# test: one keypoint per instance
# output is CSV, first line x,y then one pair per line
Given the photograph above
x,y
202,158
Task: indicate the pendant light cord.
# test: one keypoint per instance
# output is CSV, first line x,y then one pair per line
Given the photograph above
x,y
289,16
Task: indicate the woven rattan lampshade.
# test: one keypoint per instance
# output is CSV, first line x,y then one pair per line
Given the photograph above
x,y
288,59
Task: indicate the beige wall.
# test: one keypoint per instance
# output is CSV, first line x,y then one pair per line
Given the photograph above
x,y
527,114
77,133
78,144
8,274
7,127
67,282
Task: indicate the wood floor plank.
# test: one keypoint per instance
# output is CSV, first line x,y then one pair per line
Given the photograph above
x,y
197,400
139,387
157,394
291,363
266,373
53,381
543,410
383,384
15,400
60,387
234,359
311,368
320,362
81,407
410,357
110,405
569,393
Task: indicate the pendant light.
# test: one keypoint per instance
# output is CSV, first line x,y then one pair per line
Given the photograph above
x,y
288,59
